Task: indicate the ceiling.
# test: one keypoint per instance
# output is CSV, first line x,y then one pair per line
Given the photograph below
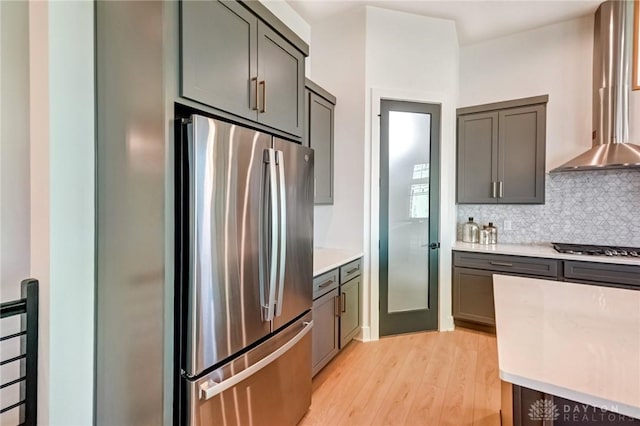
x,y
476,20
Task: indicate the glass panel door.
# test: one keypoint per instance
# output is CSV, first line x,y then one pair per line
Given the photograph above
x,y
409,214
408,237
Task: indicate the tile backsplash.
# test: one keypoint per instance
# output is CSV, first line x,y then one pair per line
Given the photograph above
x,y
591,207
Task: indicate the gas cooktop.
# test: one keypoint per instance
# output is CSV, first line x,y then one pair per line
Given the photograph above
x,y
596,250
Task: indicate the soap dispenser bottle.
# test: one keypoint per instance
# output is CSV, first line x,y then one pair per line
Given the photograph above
x,y
470,232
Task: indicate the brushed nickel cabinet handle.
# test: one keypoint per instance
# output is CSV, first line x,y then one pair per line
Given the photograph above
x,y
263,83
255,91
494,190
352,270
501,263
500,190
325,284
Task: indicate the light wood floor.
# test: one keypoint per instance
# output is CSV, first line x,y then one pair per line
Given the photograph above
x,y
429,379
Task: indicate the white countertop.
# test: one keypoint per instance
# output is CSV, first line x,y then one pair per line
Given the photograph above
x,y
540,250
326,259
580,342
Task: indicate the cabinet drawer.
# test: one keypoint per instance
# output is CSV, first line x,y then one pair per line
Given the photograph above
x,y
350,270
511,264
605,273
324,283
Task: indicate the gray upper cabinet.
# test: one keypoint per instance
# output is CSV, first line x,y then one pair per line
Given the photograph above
x,y
281,82
234,62
320,112
501,152
477,159
219,59
521,155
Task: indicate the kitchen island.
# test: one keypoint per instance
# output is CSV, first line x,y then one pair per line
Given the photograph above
x,y
569,340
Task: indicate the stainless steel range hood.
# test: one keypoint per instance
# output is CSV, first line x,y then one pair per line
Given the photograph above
x,y
612,53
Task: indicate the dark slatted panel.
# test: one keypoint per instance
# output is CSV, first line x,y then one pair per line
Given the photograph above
x,y
27,306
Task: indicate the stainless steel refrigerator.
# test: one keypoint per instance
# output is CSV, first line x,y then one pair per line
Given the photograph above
x,y
248,252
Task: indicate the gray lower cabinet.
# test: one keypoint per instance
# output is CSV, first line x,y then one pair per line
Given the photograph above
x,y
603,274
319,133
336,311
326,330
473,281
501,152
232,61
517,404
349,310
473,296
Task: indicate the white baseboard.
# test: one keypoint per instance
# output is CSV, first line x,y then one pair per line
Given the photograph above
x,y
364,335
447,324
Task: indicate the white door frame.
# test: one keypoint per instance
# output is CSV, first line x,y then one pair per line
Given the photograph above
x,y
447,224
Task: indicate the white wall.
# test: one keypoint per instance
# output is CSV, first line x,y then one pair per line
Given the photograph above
x,y
14,179
290,17
283,10
39,190
72,212
554,60
14,147
62,194
338,65
360,56
414,58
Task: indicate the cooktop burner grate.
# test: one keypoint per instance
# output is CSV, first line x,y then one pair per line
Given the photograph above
x,y
596,250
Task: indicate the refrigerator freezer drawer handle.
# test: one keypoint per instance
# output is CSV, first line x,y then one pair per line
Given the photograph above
x,y
283,231
210,389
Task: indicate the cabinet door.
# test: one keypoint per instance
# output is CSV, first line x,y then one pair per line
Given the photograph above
x,y
320,137
325,330
521,155
219,56
281,82
477,158
473,296
349,310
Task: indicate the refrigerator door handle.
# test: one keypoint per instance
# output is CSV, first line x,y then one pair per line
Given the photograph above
x,y
283,231
210,388
274,235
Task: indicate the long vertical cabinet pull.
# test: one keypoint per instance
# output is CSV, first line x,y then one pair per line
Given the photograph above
x,y
336,306
494,191
263,83
274,234
283,229
343,302
501,189
255,87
